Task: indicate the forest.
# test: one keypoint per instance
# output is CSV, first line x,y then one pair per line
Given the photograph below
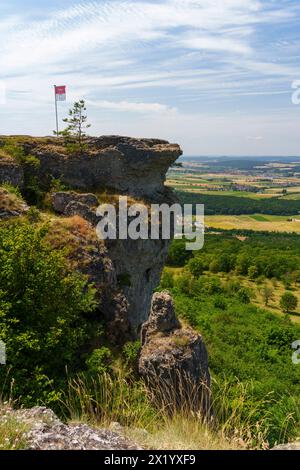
x,y
232,205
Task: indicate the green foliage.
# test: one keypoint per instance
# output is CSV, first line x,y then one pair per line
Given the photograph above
x,y
253,272
244,295
220,302
131,352
167,280
99,361
105,398
267,294
12,189
288,302
57,186
232,205
76,127
178,255
246,343
247,346
17,151
33,215
41,313
195,266
274,256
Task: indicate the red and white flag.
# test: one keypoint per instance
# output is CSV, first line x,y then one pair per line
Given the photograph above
x,y
60,93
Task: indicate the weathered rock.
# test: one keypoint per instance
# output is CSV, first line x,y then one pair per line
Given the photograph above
x,y
47,432
289,446
134,167
11,172
77,208
126,165
138,265
60,200
173,359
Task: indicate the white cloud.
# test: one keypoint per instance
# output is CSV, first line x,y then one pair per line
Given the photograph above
x,y
216,43
132,107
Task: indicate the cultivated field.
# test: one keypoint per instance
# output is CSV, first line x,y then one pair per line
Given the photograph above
x,y
256,222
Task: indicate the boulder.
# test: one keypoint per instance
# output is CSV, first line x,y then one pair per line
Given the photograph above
x,y
47,432
173,360
61,199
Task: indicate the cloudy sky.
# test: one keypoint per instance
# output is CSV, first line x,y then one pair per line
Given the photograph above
x,y
213,75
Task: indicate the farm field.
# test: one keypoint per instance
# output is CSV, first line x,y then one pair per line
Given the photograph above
x,y
256,222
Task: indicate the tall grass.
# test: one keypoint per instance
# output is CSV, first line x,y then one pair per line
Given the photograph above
x,y
154,419
12,431
106,398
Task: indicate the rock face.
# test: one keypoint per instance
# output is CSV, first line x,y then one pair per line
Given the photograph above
x,y
11,172
126,165
123,165
47,432
138,265
173,359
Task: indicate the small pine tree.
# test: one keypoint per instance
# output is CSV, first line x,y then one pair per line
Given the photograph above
x,y
77,124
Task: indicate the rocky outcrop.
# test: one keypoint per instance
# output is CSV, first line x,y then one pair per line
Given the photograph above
x,y
72,203
46,432
137,263
131,166
11,172
60,200
121,165
173,359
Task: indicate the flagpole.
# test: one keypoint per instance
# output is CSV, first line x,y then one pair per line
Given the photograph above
x,y
56,113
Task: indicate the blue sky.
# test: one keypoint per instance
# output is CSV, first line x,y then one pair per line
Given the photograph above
x,y
213,75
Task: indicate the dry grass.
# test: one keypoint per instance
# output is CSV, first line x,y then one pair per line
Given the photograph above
x,y
105,400
10,201
183,433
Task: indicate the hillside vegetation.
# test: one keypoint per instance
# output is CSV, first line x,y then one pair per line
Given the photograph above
x,y
247,345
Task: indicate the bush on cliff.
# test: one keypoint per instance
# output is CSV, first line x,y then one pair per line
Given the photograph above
x,y
41,306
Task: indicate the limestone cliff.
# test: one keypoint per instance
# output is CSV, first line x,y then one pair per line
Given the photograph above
x,y
119,165
131,166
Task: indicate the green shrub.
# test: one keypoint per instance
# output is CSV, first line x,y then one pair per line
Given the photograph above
x,y
244,295
288,302
195,266
99,360
131,352
41,313
33,215
167,280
